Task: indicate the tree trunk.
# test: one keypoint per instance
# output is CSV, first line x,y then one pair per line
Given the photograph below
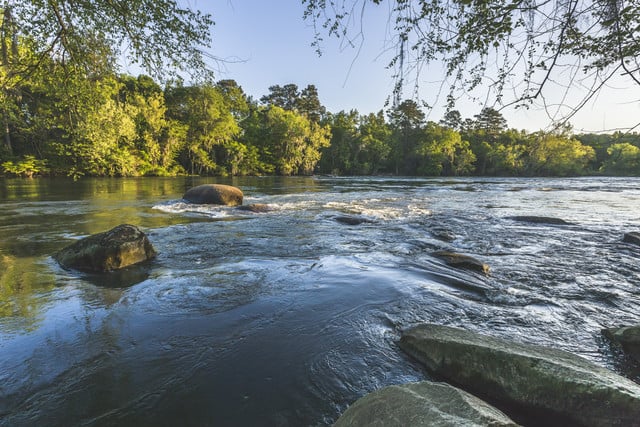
x,y
7,134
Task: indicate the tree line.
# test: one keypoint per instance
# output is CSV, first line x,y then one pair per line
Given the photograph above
x,y
59,122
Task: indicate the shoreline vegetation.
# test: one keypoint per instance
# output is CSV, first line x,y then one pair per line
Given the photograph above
x,y
120,125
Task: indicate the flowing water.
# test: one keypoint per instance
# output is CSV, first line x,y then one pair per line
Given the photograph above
x,y
284,318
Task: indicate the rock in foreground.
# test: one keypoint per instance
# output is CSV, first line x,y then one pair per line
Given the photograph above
x,y
553,384
117,248
628,337
422,404
214,194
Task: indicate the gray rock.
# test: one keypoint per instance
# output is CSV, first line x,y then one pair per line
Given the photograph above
x,y
214,194
550,383
539,219
422,404
352,219
255,208
632,237
117,248
462,261
628,337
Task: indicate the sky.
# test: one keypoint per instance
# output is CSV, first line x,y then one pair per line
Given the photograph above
x,y
264,43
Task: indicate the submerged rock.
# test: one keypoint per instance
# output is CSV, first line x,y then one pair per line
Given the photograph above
x,y
117,248
539,219
255,208
422,404
214,194
549,383
352,219
462,261
632,237
628,337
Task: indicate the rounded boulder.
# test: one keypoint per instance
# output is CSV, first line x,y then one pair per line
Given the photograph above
x,y
214,194
422,404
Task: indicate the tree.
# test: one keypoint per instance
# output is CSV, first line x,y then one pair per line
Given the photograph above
x,y
624,159
285,97
549,154
160,35
309,104
406,120
518,48
452,120
288,97
339,157
291,142
210,126
234,97
490,121
443,152
375,138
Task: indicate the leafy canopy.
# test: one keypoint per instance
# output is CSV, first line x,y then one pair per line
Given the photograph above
x,y
160,35
528,50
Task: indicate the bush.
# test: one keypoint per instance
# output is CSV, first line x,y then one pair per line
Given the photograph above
x,y
27,167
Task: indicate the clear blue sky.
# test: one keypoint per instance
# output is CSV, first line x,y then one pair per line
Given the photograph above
x,y
266,42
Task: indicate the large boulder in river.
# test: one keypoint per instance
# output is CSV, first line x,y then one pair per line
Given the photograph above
x,y
627,337
214,194
632,237
466,262
117,248
549,383
422,404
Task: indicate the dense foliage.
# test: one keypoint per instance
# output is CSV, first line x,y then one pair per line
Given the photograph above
x,y
120,125
64,109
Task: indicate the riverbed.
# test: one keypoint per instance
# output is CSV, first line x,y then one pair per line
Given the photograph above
x,y
284,318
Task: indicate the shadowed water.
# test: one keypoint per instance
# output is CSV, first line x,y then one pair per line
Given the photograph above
x,y
284,318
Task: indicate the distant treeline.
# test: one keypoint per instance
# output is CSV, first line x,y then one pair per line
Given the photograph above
x,y
55,123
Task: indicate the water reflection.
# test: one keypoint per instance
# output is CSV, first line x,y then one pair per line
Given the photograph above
x,y
23,292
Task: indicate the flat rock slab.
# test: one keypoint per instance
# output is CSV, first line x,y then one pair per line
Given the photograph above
x,y
628,337
117,248
551,383
539,220
422,404
466,262
214,194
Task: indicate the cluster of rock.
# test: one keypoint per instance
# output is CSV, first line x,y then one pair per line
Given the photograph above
x,y
126,245
531,383
535,385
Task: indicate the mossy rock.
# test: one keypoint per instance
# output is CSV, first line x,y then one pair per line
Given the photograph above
x,y
551,384
425,403
115,249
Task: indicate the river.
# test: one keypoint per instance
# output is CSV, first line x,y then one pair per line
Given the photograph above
x,y
284,318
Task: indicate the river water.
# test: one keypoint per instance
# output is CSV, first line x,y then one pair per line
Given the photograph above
x,y
284,318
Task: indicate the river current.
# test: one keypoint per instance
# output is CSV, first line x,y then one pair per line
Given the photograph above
x,y
286,317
